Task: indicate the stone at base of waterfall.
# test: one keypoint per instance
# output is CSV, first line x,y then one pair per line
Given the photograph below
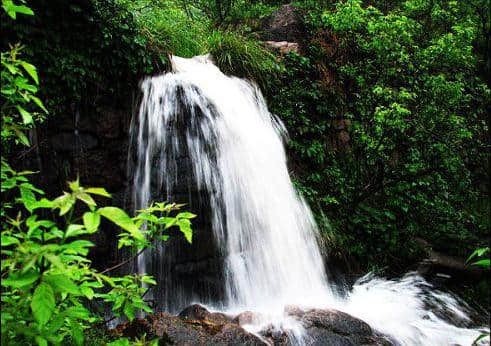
x,y
246,317
332,327
197,312
195,325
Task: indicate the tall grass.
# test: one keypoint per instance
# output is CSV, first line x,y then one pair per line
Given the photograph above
x,y
243,57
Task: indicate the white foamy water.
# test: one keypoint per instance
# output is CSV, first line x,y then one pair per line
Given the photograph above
x,y
264,229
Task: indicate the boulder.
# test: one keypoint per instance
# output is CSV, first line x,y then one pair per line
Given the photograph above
x,y
285,24
197,312
284,47
332,327
195,325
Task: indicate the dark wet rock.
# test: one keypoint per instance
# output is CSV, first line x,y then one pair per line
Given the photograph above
x,y
108,123
276,336
73,141
286,24
332,327
194,326
200,313
232,334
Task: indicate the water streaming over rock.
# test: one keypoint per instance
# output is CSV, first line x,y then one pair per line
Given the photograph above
x,y
209,139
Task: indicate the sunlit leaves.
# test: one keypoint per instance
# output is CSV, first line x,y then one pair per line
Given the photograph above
x,y
479,253
120,218
91,221
12,9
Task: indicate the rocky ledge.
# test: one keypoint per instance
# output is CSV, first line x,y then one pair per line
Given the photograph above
x,y
195,325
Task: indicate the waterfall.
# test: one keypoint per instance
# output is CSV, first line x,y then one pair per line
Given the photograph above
x,y
200,130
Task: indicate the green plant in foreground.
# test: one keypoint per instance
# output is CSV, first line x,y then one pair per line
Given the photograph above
x,y
47,279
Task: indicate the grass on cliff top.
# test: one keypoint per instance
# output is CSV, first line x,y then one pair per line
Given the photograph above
x,y
166,28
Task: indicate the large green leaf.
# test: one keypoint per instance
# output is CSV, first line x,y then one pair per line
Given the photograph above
x,y
31,69
43,303
62,284
91,221
482,263
26,116
120,218
185,228
129,311
28,198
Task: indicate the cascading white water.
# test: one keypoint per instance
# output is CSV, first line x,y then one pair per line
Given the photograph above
x,y
263,227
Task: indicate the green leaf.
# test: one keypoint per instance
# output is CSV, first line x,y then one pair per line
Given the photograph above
x,y
12,9
120,342
55,260
79,247
87,291
91,221
74,185
7,240
31,69
98,191
185,215
84,197
22,137
39,103
26,116
64,203
42,203
185,228
478,252
148,280
129,311
77,312
43,303
120,218
41,341
74,230
62,284
482,263
28,198
18,280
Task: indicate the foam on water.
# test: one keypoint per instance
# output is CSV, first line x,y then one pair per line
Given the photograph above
x,y
263,227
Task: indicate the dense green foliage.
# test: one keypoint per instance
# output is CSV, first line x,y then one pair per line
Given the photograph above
x,y
387,113
47,278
